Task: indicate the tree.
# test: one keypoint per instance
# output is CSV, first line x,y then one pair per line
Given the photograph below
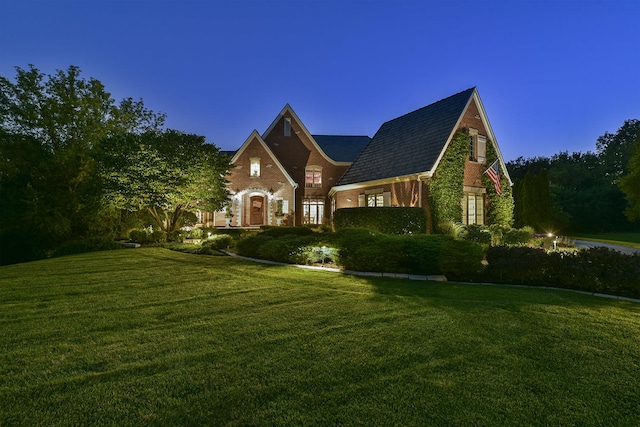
x,y
51,126
167,174
630,184
615,150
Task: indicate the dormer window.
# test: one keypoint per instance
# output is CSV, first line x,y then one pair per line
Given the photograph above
x,y
287,126
313,177
255,166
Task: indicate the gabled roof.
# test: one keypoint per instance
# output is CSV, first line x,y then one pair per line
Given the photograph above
x,y
342,148
410,144
255,135
287,109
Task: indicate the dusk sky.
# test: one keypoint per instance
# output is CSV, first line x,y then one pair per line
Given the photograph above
x,y
553,75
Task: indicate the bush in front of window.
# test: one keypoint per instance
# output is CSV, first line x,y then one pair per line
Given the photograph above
x,y
387,220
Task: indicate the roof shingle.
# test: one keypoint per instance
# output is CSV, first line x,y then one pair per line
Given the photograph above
x,y
342,148
408,144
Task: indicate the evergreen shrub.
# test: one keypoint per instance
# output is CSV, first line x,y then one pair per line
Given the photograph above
x,y
387,220
600,270
362,250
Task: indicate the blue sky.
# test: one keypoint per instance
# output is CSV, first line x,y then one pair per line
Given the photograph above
x,y
553,75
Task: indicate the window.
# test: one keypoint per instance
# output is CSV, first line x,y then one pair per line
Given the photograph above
x,y
282,207
375,200
255,166
313,177
482,149
477,147
473,209
287,126
313,210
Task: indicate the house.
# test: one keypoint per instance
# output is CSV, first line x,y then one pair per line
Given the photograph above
x,y
285,174
289,176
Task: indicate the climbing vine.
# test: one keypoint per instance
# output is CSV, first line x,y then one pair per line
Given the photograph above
x,y
446,188
499,207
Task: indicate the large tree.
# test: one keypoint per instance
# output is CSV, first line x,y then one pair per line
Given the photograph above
x,y
630,183
165,173
50,127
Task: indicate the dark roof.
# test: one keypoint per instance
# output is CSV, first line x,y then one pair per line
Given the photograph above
x,y
409,144
342,148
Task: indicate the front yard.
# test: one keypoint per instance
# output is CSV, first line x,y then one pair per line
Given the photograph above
x,y
151,336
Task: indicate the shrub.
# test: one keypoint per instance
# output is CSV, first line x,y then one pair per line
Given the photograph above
x,y
220,241
144,237
194,233
249,246
284,249
387,220
315,254
478,234
420,254
460,260
518,237
90,244
594,270
286,231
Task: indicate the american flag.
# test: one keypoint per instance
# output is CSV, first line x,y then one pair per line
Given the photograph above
x,y
494,175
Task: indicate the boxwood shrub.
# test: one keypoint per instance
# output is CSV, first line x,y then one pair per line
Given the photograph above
x,y
387,220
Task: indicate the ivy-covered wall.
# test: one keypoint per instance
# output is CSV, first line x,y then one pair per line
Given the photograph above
x,y
499,207
446,188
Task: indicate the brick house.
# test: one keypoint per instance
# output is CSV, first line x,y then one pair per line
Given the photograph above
x,y
285,175
288,175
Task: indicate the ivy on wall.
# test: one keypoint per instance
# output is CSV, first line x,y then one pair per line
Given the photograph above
x,y
499,207
446,187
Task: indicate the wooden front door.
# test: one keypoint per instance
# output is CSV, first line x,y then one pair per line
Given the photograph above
x,y
257,210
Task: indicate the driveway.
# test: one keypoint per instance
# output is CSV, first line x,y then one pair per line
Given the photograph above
x,y
624,249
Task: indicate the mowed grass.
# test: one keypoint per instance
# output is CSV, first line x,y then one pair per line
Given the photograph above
x,y
154,337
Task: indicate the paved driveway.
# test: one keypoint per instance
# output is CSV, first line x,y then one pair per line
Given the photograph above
x,y
619,248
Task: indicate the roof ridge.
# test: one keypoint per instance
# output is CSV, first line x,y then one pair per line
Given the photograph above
x,y
431,105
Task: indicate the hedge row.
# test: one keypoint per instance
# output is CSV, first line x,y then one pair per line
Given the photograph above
x,y
600,270
388,220
361,250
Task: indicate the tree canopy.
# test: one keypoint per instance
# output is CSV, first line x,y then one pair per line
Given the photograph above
x,y
55,131
166,173
585,188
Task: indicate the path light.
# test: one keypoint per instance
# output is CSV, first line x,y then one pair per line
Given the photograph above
x,y
324,248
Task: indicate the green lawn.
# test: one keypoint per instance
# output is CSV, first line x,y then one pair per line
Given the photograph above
x,y
626,239
154,337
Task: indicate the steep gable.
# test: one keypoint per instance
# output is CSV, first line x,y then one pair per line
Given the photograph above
x,y
256,139
409,144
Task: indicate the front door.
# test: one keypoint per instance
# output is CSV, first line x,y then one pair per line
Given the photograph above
x,y
257,210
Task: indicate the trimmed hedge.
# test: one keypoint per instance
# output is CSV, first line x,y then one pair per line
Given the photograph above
x,y
387,220
600,270
362,250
